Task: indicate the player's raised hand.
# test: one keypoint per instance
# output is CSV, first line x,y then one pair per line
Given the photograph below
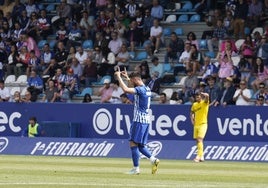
x,y
118,72
124,73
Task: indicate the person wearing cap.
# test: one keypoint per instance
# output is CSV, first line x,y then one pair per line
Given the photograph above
x,y
212,89
106,91
33,129
226,94
139,129
199,119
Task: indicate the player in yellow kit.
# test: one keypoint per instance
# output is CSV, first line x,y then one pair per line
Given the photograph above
x,y
199,118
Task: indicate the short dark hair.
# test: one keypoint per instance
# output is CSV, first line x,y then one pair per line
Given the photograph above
x,y
134,74
33,119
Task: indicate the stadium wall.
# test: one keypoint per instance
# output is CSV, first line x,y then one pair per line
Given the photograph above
x,y
235,133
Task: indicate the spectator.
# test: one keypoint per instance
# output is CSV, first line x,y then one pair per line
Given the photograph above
x,y
242,94
212,89
16,97
157,67
59,77
89,74
261,92
228,22
44,25
240,17
163,98
176,98
81,55
33,129
105,92
17,9
32,26
225,65
28,97
124,99
31,7
62,34
191,38
254,13
96,55
4,92
133,36
144,71
101,21
64,10
260,72
74,36
117,92
156,36
218,36
247,48
226,94
108,62
189,86
49,92
50,71
131,8
72,82
62,94
13,60
174,48
77,68
46,56
260,101
195,59
23,19
245,68
34,63
61,55
87,25
87,98
184,59
115,44
148,24
208,69
122,59
157,11
15,34
35,81
30,43
24,58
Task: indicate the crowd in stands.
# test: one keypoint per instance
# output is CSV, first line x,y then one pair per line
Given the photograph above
x,y
115,30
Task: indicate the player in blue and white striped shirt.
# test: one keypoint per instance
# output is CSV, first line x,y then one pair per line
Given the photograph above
x,y
139,129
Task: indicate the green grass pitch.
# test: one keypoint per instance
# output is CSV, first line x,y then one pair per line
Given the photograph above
x,y
72,172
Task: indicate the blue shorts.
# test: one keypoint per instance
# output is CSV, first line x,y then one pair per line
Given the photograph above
x,y
139,133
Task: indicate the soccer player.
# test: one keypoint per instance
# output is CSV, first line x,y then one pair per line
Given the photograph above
x,y
199,116
140,125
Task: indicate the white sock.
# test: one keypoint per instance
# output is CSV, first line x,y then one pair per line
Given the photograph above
x,y
152,159
136,168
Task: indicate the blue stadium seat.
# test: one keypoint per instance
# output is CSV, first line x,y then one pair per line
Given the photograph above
x,y
52,43
51,7
132,55
167,31
188,6
87,44
195,18
178,31
183,18
141,56
41,44
203,44
86,90
210,54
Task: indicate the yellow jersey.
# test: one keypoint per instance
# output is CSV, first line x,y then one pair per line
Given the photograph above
x,y
200,111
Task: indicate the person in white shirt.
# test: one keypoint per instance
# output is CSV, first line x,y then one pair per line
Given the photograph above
x,y
156,35
81,55
242,95
4,92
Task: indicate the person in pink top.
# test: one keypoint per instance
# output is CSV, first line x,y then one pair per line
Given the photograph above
x,y
260,71
225,65
106,92
30,43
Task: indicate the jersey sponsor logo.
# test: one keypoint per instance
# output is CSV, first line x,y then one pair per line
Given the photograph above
x,y
3,144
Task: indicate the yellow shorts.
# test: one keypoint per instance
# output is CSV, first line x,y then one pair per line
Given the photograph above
x,y
200,131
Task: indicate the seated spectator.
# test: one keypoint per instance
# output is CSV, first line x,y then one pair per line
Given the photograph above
x,y
59,77
262,91
13,60
157,67
183,60
62,94
156,36
176,98
35,81
64,10
71,82
87,25
90,73
16,97
208,69
245,68
44,25
260,72
163,98
195,60
77,69
133,35
144,71
30,43
62,34
228,22
4,92
226,94
174,48
105,92
212,89
124,99
191,38
81,55
34,63
157,11
255,10
260,101
115,44
242,94
74,36
87,98
49,92
108,62
154,83
218,36
61,55
122,59
32,26
117,92
46,56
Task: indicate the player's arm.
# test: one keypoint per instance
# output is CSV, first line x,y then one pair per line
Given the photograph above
x,y
192,117
206,97
122,84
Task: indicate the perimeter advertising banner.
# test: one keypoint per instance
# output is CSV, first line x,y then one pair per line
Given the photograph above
x,y
119,148
168,122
